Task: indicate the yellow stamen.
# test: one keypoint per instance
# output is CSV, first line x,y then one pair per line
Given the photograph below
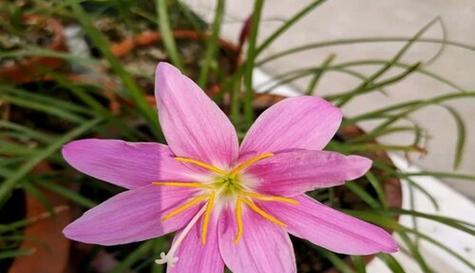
x,y
248,163
238,221
181,184
207,215
262,213
185,206
201,164
265,197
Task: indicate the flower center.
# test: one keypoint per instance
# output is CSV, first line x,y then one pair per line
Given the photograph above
x,y
226,186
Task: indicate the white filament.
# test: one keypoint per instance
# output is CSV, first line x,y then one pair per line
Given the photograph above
x,y
170,259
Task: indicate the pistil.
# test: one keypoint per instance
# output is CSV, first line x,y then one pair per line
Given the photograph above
x,y
170,257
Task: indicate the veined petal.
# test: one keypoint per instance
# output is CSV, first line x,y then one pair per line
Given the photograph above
x,y
194,257
264,247
193,124
126,164
332,229
295,172
132,216
294,123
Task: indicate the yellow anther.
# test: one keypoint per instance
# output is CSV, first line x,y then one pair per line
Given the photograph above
x,y
265,197
262,213
238,221
248,163
201,164
181,184
206,216
185,206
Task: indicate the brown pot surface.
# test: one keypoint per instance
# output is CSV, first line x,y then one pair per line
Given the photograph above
x,y
45,237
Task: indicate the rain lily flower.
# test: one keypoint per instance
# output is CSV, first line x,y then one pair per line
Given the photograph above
x,y
230,204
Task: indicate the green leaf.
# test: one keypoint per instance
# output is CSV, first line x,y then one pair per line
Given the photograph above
x,y
28,132
318,74
288,23
133,257
460,176
212,44
388,222
350,41
420,70
45,99
335,260
461,133
46,108
7,186
69,194
40,196
374,181
250,62
358,264
406,109
391,262
16,253
415,253
127,80
167,34
369,84
361,193
423,191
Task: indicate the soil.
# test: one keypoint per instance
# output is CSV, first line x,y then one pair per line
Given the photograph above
x,y
114,30
30,33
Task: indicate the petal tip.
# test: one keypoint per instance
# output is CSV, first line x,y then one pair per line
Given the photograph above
x,y
165,68
392,247
70,232
387,242
70,149
362,164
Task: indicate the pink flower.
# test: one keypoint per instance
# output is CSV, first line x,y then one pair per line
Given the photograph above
x,y
230,204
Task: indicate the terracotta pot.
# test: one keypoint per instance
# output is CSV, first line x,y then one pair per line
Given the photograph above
x,y
44,234
391,187
31,69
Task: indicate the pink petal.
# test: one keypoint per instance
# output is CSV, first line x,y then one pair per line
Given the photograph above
x,y
330,228
126,164
194,257
193,124
294,123
132,216
292,173
263,248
